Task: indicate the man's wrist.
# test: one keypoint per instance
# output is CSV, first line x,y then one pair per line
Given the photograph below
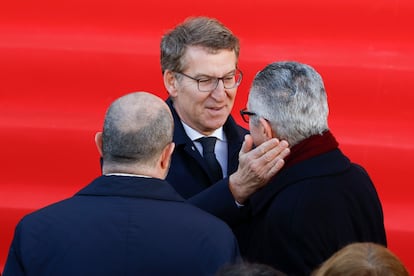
x,y
235,191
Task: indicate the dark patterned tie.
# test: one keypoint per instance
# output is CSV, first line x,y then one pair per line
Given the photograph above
x,y
208,144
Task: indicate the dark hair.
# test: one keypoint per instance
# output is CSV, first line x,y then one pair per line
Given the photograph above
x,y
208,33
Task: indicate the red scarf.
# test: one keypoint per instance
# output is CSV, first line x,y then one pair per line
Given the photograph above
x,y
310,147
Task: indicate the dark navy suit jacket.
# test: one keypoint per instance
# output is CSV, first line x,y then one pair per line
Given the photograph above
x,y
309,211
121,225
188,171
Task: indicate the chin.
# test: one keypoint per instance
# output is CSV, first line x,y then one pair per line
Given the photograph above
x,y
215,124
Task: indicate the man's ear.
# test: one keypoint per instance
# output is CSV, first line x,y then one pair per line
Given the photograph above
x,y
266,128
166,155
170,82
98,142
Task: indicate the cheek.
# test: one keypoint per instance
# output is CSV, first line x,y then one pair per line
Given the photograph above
x,y
231,96
191,98
194,103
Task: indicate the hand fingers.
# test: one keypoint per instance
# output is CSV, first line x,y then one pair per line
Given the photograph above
x,y
273,161
265,147
274,165
247,144
280,151
276,168
284,153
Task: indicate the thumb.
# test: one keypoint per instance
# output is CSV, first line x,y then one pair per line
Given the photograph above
x,y
247,144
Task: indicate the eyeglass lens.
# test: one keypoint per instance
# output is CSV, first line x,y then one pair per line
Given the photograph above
x,y
229,82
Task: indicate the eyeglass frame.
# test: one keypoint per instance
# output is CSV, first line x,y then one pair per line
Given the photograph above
x,y
245,114
236,84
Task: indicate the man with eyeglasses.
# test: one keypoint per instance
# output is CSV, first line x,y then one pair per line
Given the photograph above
x,y
320,200
199,64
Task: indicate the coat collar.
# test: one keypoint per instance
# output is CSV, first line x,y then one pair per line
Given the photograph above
x,y
131,186
331,162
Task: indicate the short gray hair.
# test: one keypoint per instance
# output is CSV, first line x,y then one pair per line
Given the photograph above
x,y
137,128
292,97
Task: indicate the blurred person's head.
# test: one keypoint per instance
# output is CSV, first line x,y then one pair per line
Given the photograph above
x,y
362,259
249,269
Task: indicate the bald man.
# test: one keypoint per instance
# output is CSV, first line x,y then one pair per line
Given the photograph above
x,y
129,221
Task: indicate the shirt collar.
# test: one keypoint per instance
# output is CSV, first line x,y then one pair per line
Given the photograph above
x,y
194,134
127,174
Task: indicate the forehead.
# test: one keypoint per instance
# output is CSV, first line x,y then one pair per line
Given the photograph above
x,y
200,61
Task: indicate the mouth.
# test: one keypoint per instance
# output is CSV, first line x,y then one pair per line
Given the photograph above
x,y
215,110
218,108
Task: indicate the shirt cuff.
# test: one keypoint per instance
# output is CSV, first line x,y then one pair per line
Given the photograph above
x,y
239,205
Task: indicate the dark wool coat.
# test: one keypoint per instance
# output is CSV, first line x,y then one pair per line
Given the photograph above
x,y
309,211
121,225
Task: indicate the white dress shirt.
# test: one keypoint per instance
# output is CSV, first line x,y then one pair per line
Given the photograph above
x,y
221,145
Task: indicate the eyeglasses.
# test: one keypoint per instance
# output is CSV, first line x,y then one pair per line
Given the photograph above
x,y
245,114
208,84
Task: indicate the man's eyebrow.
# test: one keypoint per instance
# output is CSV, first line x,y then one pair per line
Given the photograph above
x,y
202,75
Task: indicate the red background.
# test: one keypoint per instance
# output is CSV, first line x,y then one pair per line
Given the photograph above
x,y
63,62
